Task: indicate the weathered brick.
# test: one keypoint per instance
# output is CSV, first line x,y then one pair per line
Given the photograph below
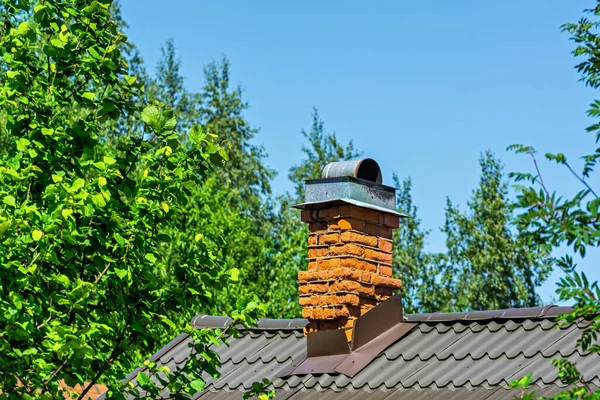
x,y
305,216
322,313
329,263
353,286
333,226
344,273
329,325
318,287
313,240
312,265
346,249
376,255
350,223
307,313
353,237
351,262
385,232
317,226
384,270
365,214
365,301
387,282
315,252
383,291
305,300
328,238
307,276
328,213
346,323
393,221
385,245
366,276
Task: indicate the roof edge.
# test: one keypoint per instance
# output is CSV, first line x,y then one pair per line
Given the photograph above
x,y
203,321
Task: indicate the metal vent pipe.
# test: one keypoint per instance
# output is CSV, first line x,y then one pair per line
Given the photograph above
x,y
365,168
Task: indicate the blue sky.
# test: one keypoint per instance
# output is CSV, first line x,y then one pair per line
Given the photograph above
x,y
423,87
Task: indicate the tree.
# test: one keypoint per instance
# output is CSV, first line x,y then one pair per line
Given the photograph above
x,y
554,219
87,290
489,264
323,147
412,263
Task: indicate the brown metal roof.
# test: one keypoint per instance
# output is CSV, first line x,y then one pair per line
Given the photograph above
x,y
461,355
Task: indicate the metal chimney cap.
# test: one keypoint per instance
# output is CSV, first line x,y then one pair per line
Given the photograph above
x,y
365,168
356,182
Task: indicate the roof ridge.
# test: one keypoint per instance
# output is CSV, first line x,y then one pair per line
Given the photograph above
x,y
548,311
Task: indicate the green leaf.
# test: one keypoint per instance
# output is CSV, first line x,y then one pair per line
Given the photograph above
x,y
150,115
98,200
22,144
89,95
235,274
121,273
108,160
37,235
198,385
77,184
151,257
47,131
143,378
57,178
10,200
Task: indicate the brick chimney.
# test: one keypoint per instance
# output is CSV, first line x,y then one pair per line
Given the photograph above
x,y
351,216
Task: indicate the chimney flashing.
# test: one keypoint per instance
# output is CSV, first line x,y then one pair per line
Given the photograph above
x,y
321,193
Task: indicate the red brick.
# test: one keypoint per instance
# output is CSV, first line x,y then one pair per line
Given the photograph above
x,y
312,240
385,232
346,250
312,265
329,325
376,255
353,237
333,226
356,263
307,276
322,313
350,223
305,216
344,273
385,245
387,282
328,213
365,214
317,226
307,313
318,252
353,286
383,292
393,221
366,276
328,238
329,263
384,270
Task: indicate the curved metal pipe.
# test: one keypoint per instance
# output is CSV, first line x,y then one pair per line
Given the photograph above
x,y
365,168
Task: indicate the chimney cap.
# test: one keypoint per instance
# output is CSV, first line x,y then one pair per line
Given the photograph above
x,y
356,182
365,168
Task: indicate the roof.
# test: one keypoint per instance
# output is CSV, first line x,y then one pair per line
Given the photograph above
x,y
444,355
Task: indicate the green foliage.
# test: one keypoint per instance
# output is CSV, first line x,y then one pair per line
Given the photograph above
x,y
488,265
323,147
555,220
413,264
89,291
